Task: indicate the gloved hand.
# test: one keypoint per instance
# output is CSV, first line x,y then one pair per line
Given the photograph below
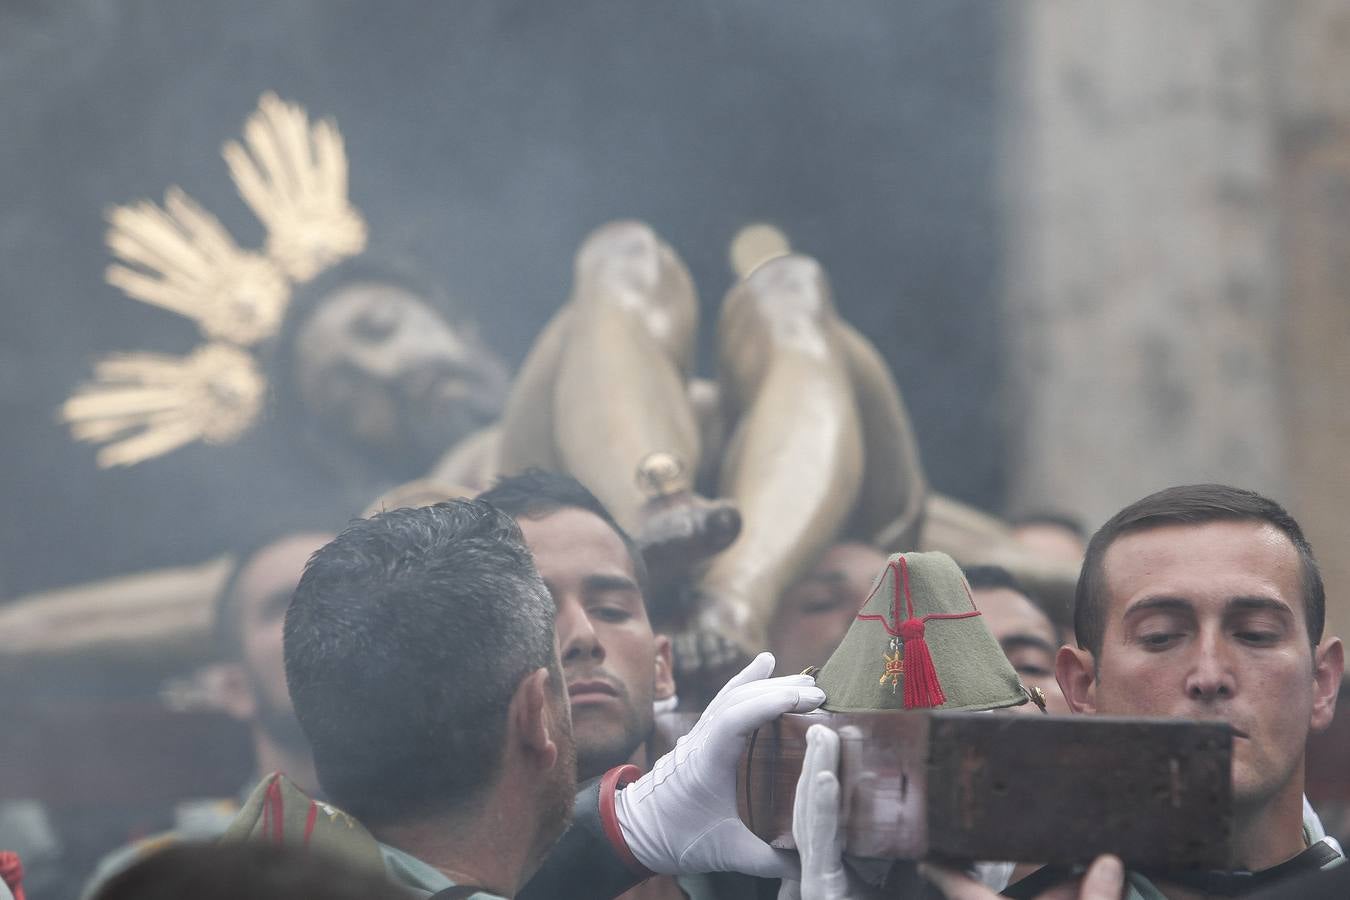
x,y
681,817
815,823
815,830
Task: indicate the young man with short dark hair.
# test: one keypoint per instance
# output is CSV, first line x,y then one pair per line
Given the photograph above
x,y
1197,602
615,666
421,661
1205,602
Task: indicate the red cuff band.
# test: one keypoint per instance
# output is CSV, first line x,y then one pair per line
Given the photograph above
x,y
610,783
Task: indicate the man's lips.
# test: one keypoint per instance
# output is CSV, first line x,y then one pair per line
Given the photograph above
x,y
591,691
1220,720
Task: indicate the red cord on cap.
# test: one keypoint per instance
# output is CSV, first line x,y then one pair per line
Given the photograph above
x,y
610,783
922,688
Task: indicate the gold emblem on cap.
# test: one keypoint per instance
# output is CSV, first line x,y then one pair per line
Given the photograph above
x,y
895,666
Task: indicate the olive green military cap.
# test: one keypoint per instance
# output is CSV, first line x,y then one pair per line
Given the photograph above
x,y
919,643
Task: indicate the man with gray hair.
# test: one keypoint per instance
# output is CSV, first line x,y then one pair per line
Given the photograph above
x,y
420,658
423,666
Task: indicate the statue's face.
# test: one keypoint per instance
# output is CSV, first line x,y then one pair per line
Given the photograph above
x,y
374,361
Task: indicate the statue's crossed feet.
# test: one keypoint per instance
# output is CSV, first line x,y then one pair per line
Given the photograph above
x,y
679,532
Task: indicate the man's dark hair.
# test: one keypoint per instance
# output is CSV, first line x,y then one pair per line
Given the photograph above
x,y
988,578
1191,504
405,642
535,493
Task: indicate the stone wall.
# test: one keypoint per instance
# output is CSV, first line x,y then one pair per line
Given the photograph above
x,y
1312,91
1142,297
1177,198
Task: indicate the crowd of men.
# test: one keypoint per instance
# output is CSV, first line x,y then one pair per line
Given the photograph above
x,y
528,673
462,700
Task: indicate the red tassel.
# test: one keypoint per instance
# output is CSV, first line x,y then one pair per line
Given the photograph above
x,y
11,872
922,689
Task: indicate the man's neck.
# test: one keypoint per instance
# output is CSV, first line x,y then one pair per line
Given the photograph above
x,y
295,762
1269,834
483,848
1263,837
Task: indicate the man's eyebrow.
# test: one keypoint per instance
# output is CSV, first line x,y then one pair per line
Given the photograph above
x,y
1259,603
609,583
1162,602
1019,640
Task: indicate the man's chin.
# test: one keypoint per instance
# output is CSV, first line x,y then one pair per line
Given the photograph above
x,y
1253,786
596,757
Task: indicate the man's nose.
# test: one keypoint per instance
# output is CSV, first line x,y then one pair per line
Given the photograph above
x,y
1211,677
577,639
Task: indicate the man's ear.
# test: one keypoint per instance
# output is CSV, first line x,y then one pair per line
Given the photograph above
x,y
228,689
532,719
1076,672
665,670
1328,667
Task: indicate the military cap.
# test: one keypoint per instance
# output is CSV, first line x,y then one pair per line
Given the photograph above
x,y
278,812
919,642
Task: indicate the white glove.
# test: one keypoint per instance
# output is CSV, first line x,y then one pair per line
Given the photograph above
x,y
681,818
815,823
815,830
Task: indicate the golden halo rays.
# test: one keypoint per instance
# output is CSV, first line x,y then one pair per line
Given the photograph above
x,y
180,258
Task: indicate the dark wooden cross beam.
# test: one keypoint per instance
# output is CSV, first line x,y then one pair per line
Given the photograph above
x,y
1029,788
